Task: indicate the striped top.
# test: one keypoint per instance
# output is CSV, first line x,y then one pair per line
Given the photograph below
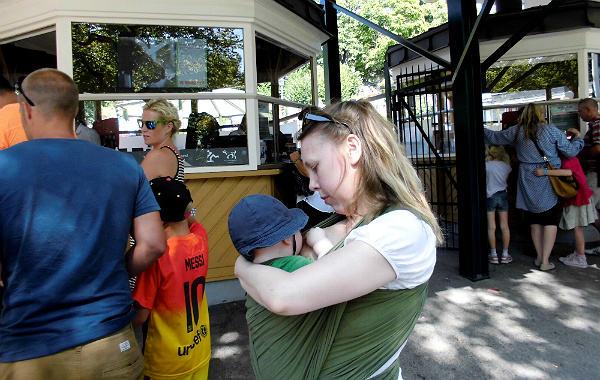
x,y
180,169
536,194
178,177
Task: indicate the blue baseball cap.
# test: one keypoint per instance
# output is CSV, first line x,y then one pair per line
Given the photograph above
x,y
259,221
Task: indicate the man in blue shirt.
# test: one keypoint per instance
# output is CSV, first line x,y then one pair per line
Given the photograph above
x,y
67,207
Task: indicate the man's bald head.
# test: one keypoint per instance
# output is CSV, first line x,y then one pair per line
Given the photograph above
x,y
53,92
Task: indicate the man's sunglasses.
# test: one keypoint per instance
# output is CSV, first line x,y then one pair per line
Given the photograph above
x,y
324,118
19,90
151,124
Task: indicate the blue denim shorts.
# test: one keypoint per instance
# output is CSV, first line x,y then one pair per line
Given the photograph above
x,y
498,201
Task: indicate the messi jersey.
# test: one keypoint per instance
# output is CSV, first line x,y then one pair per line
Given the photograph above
x,y
178,339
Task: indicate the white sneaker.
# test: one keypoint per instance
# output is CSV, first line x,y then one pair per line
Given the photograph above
x,y
593,251
574,260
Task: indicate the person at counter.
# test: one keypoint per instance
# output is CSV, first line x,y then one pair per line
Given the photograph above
x,y
67,307
159,124
535,195
11,129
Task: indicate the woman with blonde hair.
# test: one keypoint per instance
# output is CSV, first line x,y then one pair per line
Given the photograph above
x,y
379,270
535,194
497,169
159,125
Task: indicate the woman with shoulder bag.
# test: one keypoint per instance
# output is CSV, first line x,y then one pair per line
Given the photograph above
x,y
535,194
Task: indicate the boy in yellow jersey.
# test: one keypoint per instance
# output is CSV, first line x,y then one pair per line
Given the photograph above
x,y
171,292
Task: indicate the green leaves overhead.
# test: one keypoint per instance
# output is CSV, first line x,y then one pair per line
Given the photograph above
x,y
102,53
364,49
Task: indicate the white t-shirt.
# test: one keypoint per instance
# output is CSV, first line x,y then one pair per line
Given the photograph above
x,y
496,174
406,242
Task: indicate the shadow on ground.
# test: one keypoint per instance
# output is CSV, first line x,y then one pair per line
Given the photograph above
x,y
521,323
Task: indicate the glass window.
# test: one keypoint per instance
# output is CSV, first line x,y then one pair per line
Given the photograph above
x,y
26,55
111,58
275,64
277,136
594,70
212,131
532,79
513,83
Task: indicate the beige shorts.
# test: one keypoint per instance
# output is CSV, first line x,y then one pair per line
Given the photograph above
x,y
116,357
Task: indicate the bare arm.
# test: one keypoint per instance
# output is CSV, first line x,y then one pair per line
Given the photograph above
x,y
150,243
345,274
295,157
142,314
159,163
191,220
554,172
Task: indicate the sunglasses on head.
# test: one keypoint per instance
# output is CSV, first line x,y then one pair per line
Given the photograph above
x,y
151,124
323,118
19,90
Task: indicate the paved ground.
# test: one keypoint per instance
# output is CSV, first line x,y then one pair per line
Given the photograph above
x,y
519,324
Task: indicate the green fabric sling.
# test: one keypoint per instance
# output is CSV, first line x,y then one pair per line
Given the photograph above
x,y
350,340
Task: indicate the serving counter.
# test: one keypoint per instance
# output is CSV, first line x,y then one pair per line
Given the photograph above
x,y
214,196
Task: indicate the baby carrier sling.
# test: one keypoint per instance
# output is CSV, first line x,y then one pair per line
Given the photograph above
x,y
350,340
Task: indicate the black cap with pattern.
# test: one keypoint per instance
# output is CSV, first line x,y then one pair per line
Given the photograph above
x,y
172,196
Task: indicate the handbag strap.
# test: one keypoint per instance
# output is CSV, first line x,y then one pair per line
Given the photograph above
x,y
541,151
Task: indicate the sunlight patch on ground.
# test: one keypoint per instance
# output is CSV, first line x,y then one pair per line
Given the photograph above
x,y
539,296
579,323
459,296
434,343
528,371
229,337
226,352
572,297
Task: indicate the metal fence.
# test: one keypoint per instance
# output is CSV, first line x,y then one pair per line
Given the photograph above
x,y
422,113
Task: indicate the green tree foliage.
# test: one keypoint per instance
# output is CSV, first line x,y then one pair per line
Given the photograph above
x,y
364,49
533,75
97,49
297,87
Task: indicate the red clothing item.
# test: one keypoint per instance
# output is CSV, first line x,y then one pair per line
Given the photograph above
x,y
178,339
584,193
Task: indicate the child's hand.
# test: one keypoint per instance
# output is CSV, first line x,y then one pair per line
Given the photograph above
x,y
295,156
314,235
538,172
573,132
317,239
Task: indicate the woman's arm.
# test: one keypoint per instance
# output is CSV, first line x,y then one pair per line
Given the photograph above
x,y
347,273
160,163
505,137
296,160
569,148
552,172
